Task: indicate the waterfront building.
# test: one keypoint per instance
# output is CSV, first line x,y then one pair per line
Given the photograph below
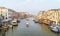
x,y
6,12
52,14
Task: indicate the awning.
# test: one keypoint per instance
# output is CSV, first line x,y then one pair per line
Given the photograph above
x,y
6,20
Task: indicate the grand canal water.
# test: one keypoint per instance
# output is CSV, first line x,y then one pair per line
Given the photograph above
x,y
34,29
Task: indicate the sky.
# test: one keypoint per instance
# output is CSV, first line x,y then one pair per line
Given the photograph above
x,y
31,6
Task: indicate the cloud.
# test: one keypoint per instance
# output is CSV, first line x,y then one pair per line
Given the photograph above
x,y
26,1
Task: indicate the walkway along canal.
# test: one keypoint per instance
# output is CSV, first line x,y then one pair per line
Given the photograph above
x,y
34,29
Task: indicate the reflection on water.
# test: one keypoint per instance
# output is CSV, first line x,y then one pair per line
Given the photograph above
x,y
34,29
3,33
47,31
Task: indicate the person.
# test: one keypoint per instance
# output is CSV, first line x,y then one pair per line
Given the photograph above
x,y
12,27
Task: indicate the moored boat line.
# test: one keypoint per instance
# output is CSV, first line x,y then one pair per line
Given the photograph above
x,y
8,23
55,27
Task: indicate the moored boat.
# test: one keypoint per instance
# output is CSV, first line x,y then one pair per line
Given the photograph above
x,y
27,19
10,26
55,27
18,20
55,30
14,22
36,21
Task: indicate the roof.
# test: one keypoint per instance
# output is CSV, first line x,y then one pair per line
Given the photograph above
x,y
11,10
54,10
3,7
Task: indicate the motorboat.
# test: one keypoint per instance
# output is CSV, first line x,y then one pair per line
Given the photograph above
x,y
14,22
27,24
55,27
10,26
5,26
27,19
18,20
36,21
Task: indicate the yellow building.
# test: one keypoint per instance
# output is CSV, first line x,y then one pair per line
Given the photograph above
x,y
42,14
52,14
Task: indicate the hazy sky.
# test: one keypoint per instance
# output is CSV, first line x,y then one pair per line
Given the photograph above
x,y
31,6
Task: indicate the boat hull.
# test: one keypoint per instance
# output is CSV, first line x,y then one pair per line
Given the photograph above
x,y
54,28
14,22
56,31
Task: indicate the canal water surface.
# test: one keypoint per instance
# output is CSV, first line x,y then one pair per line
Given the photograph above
x,y
34,29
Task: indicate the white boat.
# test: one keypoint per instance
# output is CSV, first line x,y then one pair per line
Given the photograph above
x,y
10,26
55,28
27,24
14,22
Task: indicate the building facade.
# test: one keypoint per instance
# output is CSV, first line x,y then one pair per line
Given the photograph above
x,y
4,12
52,14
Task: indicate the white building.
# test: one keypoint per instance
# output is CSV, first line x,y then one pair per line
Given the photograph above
x,y
11,13
5,12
